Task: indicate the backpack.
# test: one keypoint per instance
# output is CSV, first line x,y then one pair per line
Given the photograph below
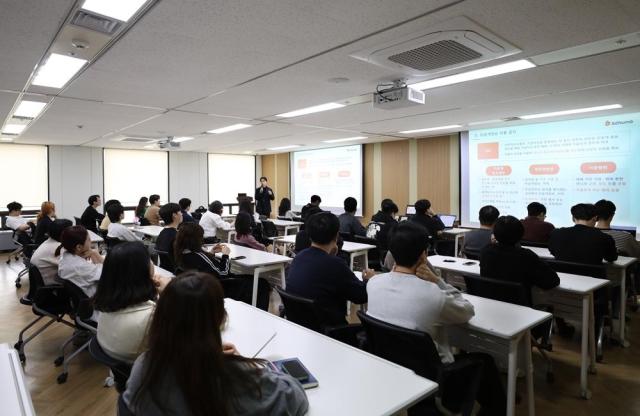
x,y
197,214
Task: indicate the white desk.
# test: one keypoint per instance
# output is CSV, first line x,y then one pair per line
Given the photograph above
x,y
256,262
619,270
286,226
382,388
163,272
14,394
488,331
574,296
354,249
95,238
457,234
152,231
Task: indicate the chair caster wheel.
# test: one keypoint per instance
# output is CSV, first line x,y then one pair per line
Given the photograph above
x,y
586,394
62,378
58,362
550,377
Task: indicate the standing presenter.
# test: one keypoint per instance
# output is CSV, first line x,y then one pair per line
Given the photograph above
x,y
264,196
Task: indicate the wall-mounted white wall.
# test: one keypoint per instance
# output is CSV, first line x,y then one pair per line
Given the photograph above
x,y
188,178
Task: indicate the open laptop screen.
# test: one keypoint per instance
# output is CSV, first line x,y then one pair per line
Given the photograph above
x,y
411,210
447,219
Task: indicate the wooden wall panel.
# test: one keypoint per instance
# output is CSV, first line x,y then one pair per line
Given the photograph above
x,y
395,172
369,205
282,179
434,182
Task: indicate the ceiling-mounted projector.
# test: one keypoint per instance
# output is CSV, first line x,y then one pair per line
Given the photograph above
x,y
169,143
398,96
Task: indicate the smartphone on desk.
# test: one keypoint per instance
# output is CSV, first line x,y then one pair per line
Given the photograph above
x,y
297,370
449,261
469,263
238,258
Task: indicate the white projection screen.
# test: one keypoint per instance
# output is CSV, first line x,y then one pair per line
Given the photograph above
x,y
131,174
333,174
559,164
230,175
29,163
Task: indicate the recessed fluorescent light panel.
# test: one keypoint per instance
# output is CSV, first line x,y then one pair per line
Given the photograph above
x,y
29,109
478,123
291,146
6,139
117,9
227,129
182,139
58,70
473,75
346,139
14,128
452,126
311,110
574,111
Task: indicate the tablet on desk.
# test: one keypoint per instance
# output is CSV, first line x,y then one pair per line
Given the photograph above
x,y
297,370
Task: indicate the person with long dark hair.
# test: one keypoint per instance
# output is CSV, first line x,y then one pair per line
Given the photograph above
x,y
189,254
188,370
126,296
141,208
79,263
243,232
284,209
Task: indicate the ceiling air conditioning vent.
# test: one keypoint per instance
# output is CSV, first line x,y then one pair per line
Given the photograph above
x,y
96,23
451,45
144,140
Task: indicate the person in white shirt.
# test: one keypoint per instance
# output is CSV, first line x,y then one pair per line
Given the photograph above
x,y
44,258
413,297
212,220
15,220
79,263
125,298
116,229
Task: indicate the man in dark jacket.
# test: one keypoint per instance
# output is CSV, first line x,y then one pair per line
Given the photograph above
x,y
264,195
91,217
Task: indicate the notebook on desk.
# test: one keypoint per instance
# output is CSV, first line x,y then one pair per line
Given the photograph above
x,y
447,219
248,343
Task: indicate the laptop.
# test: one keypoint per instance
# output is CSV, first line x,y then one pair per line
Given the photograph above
x,y
411,210
631,230
448,219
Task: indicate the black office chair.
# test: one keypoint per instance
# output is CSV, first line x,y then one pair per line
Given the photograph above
x,y
458,382
120,369
376,258
78,220
601,297
166,261
269,229
111,242
471,254
144,221
46,302
26,247
533,244
305,312
519,294
81,310
240,288
346,236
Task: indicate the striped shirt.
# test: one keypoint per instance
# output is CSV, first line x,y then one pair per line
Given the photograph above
x,y
625,243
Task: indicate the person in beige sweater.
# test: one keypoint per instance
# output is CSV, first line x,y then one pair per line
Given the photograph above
x,y
153,212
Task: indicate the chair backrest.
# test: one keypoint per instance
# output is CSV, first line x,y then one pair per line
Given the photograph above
x,y
414,350
302,311
78,220
471,254
144,221
36,281
166,262
120,369
112,242
269,229
533,244
347,236
502,290
81,304
599,271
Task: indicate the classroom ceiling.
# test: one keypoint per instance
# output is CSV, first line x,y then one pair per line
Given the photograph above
x,y
185,67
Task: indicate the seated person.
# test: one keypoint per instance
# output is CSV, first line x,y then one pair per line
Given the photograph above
x,y
302,237
474,241
506,260
317,273
386,217
313,204
116,230
212,220
284,209
15,220
140,209
348,222
246,205
428,304
45,217
104,225
185,207
536,229
190,255
79,263
200,374
152,214
625,243
385,214
243,232
171,214
583,243
125,298
91,217
44,258
425,217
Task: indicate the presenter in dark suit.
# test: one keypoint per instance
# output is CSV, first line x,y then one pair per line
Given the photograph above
x,y
264,196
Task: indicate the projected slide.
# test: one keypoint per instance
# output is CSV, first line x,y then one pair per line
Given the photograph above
x,y
558,163
334,174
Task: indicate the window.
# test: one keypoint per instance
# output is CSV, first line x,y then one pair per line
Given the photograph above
x,y
230,175
131,174
29,168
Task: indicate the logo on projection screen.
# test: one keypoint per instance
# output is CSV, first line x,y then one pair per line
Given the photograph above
x,y
488,150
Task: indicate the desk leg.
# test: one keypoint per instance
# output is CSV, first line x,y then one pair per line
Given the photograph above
x,y
587,333
623,306
254,293
531,400
283,281
352,257
366,259
511,377
592,337
456,244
